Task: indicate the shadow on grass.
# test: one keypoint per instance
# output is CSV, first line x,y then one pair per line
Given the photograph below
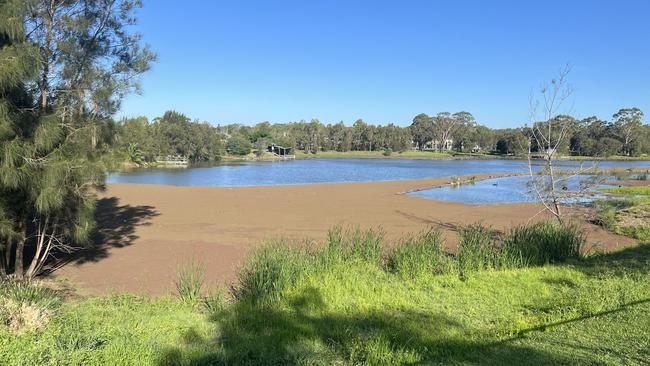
x,y
630,260
116,226
306,333
304,330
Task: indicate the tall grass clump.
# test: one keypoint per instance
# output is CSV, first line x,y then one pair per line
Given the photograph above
x,y
26,306
190,278
419,255
476,249
541,243
270,270
351,245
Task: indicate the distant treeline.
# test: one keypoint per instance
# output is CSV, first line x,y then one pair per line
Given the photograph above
x,y
176,134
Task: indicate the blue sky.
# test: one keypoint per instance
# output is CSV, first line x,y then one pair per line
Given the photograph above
x,y
386,61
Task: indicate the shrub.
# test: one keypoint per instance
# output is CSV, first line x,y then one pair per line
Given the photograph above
x,y
270,270
418,255
541,243
238,145
190,280
476,249
388,152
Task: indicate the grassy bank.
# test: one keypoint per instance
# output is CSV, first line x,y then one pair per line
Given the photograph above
x,y
526,297
611,157
627,213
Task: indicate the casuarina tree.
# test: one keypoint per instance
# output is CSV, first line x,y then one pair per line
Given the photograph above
x,y
64,65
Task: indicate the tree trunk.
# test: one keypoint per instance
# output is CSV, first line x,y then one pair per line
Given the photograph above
x,y
3,270
39,256
46,53
19,269
93,138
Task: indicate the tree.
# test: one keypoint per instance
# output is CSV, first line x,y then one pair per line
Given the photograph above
x,y
88,57
421,130
547,136
627,124
238,145
49,172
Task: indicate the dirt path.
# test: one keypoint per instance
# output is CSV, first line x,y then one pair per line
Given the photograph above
x,y
146,231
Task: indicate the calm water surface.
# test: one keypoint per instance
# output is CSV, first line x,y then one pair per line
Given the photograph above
x,y
332,171
510,190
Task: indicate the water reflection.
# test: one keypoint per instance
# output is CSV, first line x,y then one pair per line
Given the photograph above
x,y
334,170
575,189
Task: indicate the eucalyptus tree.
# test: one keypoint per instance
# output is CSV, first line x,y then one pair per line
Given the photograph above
x,y
627,124
421,130
64,65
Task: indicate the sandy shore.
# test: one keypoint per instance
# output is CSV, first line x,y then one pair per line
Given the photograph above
x,y
146,231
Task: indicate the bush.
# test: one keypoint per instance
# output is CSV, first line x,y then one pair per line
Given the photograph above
x,y
238,145
270,270
476,249
422,254
388,152
541,243
190,281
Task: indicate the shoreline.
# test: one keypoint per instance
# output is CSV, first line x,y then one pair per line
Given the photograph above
x,y
145,232
378,155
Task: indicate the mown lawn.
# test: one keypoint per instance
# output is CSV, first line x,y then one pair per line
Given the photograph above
x,y
593,310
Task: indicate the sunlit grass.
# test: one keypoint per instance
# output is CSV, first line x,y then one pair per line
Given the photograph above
x,y
356,300
632,191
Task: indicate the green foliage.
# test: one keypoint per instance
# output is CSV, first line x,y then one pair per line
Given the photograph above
x,y
632,191
626,216
238,145
28,293
388,152
476,249
271,270
419,255
353,312
541,243
25,306
190,278
215,301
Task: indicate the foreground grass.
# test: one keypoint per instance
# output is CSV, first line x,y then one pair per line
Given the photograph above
x,y
351,306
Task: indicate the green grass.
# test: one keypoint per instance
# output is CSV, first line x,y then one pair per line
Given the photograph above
x,y
340,303
611,157
541,243
630,191
629,214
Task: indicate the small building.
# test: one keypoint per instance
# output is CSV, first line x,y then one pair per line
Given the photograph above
x,y
436,145
279,150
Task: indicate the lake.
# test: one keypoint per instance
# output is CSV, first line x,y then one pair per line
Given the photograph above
x,y
510,190
333,171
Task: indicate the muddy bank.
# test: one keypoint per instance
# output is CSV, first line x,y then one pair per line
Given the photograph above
x,y
145,231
